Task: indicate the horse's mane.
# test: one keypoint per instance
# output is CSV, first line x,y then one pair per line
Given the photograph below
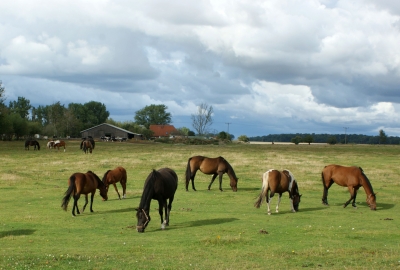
x,y
99,183
367,180
105,176
230,169
148,190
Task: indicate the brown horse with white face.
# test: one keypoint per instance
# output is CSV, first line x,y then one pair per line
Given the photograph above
x,y
215,166
83,183
115,176
351,177
274,181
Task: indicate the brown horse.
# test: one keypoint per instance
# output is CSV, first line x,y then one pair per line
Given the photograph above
x,y
352,178
83,183
115,176
279,182
33,143
57,144
215,166
160,185
87,146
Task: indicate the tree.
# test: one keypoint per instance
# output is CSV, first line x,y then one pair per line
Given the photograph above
x,y
96,114
382,136
332,140
22,107
296,140
184,131
223,135
2,91
202,119
153,115
308,139
243,138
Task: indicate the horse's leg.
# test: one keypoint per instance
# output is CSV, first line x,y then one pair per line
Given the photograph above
x,y
325,194
91,201
268,198
116,189
291,202
354,200
86,202
162,204
279,201
352,197
212,180
76,198
123,184
192,178
169,210
220,181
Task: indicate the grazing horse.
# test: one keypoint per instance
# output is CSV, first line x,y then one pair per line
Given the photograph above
x,y
279,182
86,146
50,144
215,166
33,143
115,176
90,138
160,185
58,144
83,183
352,178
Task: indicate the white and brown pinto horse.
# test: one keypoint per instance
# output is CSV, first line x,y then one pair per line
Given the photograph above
x,y
274,181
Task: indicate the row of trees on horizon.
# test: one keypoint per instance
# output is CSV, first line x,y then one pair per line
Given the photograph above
x,y
20,119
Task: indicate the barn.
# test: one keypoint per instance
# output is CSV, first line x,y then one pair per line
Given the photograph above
x,y
107,130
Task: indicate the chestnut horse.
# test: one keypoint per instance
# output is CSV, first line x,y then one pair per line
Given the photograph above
x,y
58,144
115,176
160,185
215,166
279,182
83,183
87,146
33,143
352,178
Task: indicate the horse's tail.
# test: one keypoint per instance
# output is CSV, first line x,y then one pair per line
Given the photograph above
x,y
81,144
68,193
188,173
264,190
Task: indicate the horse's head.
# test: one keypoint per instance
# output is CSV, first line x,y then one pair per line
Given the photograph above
x,y
296,201
371,201
143,219
234,184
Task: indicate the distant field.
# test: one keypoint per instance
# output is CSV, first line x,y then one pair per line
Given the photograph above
x,y
208,229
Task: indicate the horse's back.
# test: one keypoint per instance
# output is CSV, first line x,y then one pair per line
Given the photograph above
x,y
278,181
169,180
342,175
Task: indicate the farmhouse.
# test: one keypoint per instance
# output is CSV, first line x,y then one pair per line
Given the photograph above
x,y
163,130
107,130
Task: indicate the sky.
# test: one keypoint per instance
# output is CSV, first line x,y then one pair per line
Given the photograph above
x,y
266,67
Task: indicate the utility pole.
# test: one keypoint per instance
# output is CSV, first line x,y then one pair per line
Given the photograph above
x,y
228,126
345,134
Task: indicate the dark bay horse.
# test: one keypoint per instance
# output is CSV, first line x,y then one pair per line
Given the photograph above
x,y
87,146
161,186
115,176
279,182
352,178
33,143
83,183
90,138
215,166
57,144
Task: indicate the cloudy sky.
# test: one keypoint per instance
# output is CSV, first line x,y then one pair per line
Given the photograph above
x,y
266,67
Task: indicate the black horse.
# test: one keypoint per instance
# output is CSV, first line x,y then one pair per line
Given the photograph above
x,y
160,185
33,143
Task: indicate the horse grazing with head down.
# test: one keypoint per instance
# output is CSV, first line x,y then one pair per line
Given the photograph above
x,y
215,166
87,146
274,181
33,143
83,183
50,144
352,178
115,176
57,144
160,185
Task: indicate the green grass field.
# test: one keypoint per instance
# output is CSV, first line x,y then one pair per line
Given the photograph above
x,y
208,229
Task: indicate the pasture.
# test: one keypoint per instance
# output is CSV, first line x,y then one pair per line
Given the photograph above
x,y
208,229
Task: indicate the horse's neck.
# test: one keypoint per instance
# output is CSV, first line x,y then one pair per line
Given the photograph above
x,y
147,196
366,185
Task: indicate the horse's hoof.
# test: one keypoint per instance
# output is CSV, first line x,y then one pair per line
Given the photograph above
x,y
269,213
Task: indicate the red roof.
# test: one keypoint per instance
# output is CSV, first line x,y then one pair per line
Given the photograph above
x,y
163,130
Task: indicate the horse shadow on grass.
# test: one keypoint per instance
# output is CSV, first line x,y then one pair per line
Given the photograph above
x,y
16,233
202,222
